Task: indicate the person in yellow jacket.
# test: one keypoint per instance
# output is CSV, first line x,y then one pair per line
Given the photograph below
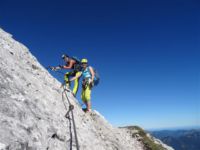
x,y
87,83
75,67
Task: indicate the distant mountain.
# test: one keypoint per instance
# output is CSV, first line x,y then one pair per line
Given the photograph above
x,y
180,139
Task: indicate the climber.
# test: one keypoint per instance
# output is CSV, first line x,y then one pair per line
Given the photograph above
x,y
74,64
87,83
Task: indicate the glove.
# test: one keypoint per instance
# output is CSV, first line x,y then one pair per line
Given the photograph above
x,y
90,81
61,66
91,84
55,68
52,68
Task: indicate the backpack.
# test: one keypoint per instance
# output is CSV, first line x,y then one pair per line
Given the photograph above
x,y
76,59
96,77
77,66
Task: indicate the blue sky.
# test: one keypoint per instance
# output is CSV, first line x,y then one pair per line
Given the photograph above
x,y
146,52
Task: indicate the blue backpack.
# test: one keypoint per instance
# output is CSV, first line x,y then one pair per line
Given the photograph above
x,y
96,77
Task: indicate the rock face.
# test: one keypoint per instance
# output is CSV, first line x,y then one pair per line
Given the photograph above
x,y
32,112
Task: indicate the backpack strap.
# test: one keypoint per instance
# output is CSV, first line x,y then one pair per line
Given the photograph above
x,y
76,59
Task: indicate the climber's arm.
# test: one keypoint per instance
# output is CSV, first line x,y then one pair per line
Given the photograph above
x,y
77,76
92,73
69,66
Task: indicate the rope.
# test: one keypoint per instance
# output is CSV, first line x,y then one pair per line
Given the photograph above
x,y
71,107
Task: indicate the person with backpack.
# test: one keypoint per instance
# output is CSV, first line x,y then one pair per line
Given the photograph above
x,y
74,64
88,75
